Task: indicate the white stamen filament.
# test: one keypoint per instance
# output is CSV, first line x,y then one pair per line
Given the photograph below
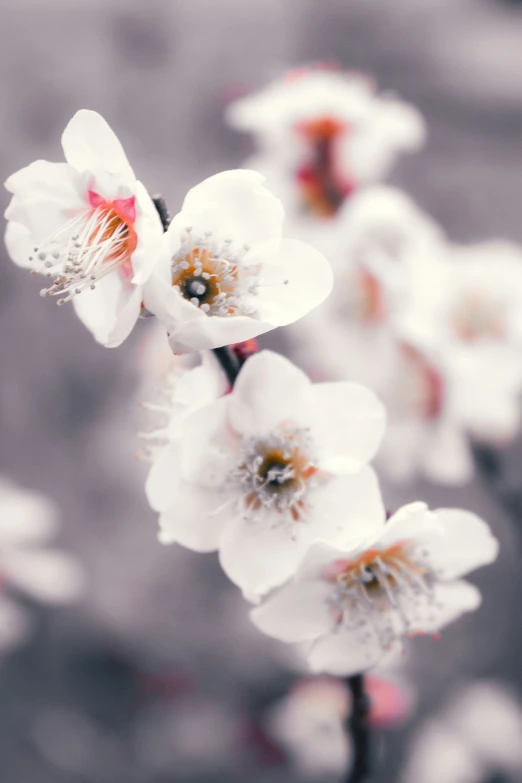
x,y
370,593
82,251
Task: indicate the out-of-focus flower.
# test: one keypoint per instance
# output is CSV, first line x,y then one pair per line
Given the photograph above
x,y
27,521
89,225
475,737
309,723
229,276
323,133
272,466
353,604
384,248
472,315
427,412
390,704
181,391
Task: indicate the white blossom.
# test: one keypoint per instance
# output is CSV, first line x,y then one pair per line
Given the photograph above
x,y
229,275
89,225
181,391
27,565
354,604
383,249
309,723
471,316
272,466
322,134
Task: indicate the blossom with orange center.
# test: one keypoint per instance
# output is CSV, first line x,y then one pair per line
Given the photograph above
x,y
321,133
228,273
354,603
262,472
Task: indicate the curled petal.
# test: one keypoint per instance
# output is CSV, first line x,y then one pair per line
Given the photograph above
x,y
89,144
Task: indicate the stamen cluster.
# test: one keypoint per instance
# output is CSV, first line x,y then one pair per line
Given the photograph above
x,y
274,474
213,277
85,249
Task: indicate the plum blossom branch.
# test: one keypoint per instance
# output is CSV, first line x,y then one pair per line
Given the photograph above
x,y
231,362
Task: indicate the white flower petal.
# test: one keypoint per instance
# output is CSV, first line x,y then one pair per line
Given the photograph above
x,y
258,555
151,249
269,391
347,510
348,425
449,602
111,310
298,613
47,575
345,653
42,179
19,244
89,144
206,332
319,555
295,281
208,444
160,486
468,543
411,522
236,205
196,519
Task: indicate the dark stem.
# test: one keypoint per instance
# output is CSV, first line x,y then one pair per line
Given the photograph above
x,y
229,361
162,209
359,730
490,467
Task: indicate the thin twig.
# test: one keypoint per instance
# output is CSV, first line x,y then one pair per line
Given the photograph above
x,y
359,730
162,209
229,361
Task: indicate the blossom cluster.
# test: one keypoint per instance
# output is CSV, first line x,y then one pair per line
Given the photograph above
x,y
433,327
259,464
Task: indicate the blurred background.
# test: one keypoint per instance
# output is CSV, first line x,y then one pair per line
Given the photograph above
x,y
156,675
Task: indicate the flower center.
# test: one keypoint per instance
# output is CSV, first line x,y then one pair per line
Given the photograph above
x,y
478,316
89,246
377,582
214,278
274,474
321,187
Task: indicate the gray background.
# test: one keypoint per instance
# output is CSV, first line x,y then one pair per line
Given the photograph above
x,y
82,701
